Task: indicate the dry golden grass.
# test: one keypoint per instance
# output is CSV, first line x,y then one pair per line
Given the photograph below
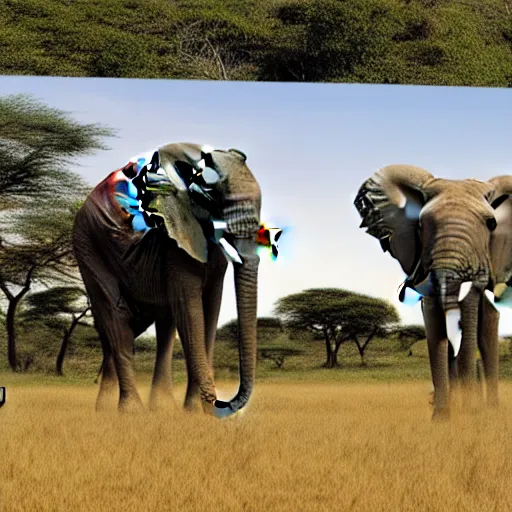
x,y
298,447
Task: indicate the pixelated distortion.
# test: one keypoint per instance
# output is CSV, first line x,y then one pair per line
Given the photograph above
x,y
142,181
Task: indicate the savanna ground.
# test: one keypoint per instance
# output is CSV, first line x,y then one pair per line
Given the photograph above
x,y
354,438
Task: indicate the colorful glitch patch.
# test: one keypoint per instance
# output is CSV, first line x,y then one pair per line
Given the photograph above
x,y
128,196
150,161
408,296
268,238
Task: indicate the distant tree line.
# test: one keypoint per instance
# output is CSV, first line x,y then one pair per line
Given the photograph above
x,y
332,315
430,42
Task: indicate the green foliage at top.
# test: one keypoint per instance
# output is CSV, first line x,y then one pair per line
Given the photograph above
x,y
443,42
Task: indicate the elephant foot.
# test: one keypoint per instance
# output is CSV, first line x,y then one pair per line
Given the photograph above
x,y
199,401
106,402
131,405
193,405
104,406
441,414
161,399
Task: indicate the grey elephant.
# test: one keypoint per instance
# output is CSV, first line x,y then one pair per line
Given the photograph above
x,y
153,241
453,240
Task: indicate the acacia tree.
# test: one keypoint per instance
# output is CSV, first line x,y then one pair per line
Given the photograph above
x,y
339,315
41,253
37,145
38,197
367,317
62,308
408,335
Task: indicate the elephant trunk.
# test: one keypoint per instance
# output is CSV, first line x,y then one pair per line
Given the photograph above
x,y
246,281
459,299
469,323
246,277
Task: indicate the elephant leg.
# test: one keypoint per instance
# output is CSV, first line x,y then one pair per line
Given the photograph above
x,y
489,349
112,320
191,329
161,388
115,328
437,341
108,384
212,300
453,372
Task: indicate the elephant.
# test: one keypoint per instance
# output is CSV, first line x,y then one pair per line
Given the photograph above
x,y
153,241
453,240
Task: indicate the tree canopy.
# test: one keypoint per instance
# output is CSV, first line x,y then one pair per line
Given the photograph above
x,y
340,315
37,145
408,335
39,197
423,42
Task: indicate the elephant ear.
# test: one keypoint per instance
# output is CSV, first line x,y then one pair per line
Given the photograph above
x,y
390,203
501,238
182,218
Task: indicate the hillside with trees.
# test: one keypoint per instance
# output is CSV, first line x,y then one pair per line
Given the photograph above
x,y
424,42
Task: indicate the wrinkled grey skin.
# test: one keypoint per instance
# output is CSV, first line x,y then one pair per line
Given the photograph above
x,y
450,232
173,277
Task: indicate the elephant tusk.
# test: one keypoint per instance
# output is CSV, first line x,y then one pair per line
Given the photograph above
x,y
453,330
219,227
230,251
499,289
490,297
464,290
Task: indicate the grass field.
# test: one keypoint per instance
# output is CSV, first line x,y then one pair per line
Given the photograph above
x,y
352,438
299,446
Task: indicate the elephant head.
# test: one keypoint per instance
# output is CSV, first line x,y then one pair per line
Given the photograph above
x,y
212,184
453,239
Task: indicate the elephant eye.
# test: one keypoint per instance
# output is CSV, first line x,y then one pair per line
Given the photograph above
x,y
491,223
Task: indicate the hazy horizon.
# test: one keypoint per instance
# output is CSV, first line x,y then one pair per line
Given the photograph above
x,y
310,146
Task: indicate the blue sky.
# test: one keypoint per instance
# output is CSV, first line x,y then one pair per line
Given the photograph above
x,y
310,146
